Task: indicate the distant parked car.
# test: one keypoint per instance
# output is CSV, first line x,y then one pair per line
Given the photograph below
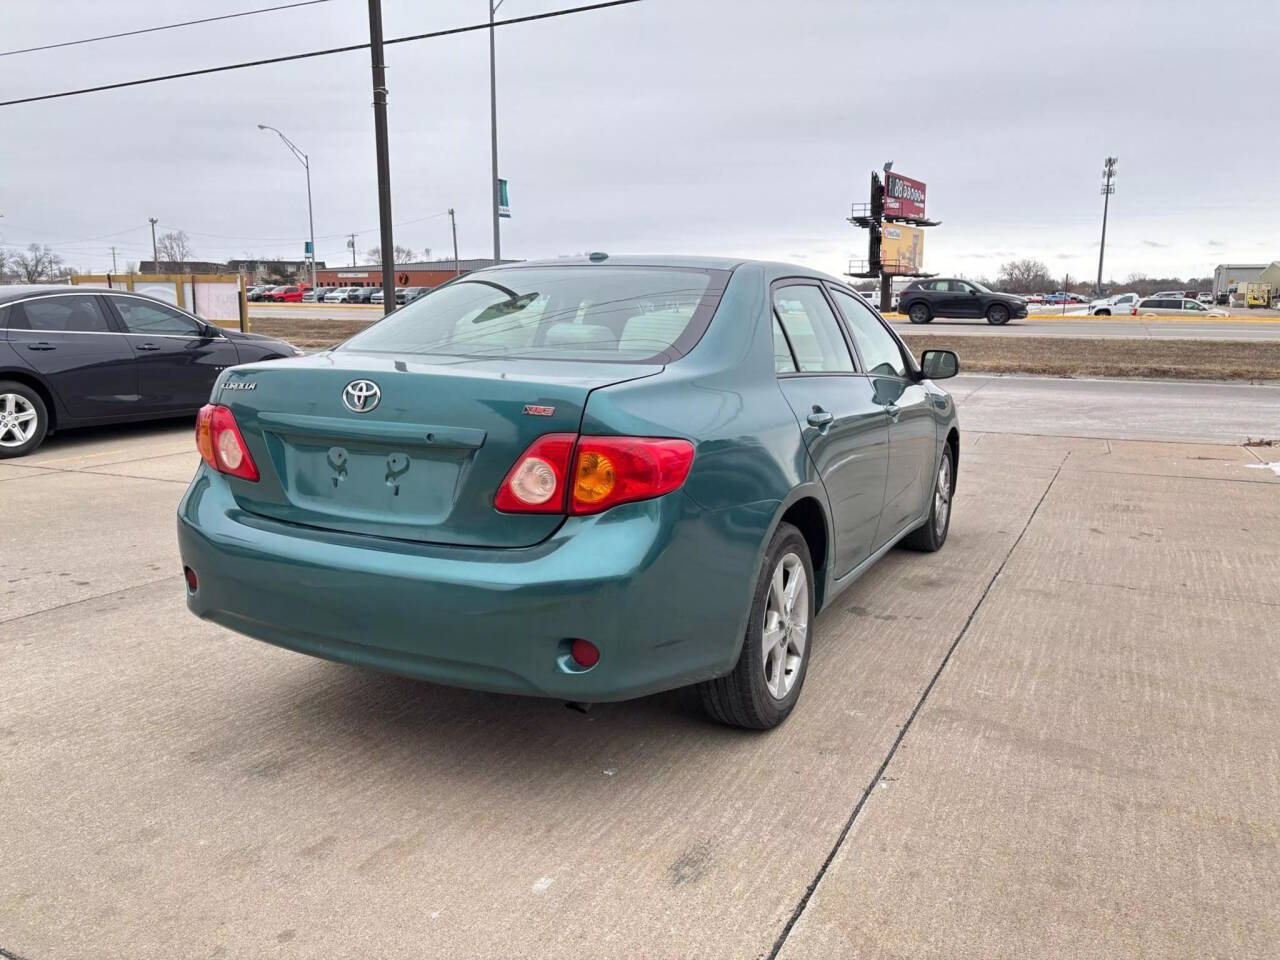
x,y
313,295
410,294
336,294
1175,307
1034,298
287,294
361,294
925,299
377,296
257,294
1204,298
1114,306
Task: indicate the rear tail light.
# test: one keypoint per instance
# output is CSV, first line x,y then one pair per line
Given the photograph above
x,y
1135,311
219,441
606,471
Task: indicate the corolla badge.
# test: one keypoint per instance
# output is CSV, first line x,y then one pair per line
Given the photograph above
x,y
361,396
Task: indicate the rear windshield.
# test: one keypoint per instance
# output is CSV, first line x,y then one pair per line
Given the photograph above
x,y
624,314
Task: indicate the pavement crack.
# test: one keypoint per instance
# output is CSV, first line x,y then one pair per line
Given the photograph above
x,y
71,603
893,749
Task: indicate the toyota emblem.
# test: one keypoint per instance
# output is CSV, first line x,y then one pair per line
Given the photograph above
x,y
361,396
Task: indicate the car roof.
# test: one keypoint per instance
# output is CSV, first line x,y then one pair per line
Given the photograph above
x,y
773,269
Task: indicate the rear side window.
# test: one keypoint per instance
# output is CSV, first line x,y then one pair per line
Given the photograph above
x,y
598,312
60,315
783,361
812,329
143,316
879,351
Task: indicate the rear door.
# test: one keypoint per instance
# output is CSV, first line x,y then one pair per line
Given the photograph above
x,y
912,431
178,358
844,427
69,339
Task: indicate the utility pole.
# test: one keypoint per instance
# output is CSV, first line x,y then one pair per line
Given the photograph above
x,y
384,156
1108,188
113,259
155,257
351,242
495,188
457,267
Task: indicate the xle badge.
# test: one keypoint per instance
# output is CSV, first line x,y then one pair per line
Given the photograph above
x,y
535,410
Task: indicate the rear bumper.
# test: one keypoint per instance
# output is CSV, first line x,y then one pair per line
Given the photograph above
x,y
661,587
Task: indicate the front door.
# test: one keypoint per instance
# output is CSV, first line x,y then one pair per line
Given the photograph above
x,y
964,299
69,340
178,357
844,428
912,433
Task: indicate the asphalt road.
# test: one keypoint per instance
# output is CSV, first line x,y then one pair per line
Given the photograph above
x,y
1056,737
1226,328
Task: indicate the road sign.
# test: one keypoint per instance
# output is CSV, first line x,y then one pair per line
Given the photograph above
x,y
504,205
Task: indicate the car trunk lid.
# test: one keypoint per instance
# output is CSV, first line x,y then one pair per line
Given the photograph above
x,y
424,461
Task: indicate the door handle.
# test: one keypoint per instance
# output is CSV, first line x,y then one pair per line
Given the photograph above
x,y
148,346
892,410
820,418
41,346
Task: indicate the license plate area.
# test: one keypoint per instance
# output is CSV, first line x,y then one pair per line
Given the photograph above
x,y
373,482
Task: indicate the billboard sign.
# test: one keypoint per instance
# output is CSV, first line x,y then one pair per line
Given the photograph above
x,y
901,248
903,197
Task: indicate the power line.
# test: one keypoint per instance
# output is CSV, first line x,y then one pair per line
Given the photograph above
x,y
319,53
167,26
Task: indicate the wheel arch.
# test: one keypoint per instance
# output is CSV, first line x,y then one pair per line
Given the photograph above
x,y
29,379
806,511
953,441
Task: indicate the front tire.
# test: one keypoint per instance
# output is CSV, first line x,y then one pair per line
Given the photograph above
x,y
919,313
998,315
933,534
764,685
24,419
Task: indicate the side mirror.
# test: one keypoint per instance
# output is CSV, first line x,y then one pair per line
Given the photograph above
x,y
939,364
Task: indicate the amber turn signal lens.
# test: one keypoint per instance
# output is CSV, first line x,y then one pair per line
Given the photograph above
x,y
595,480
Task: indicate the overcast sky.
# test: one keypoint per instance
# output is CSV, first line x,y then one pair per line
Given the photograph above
x,y
735,127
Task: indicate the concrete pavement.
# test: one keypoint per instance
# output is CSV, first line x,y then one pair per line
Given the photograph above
x,y
1055,737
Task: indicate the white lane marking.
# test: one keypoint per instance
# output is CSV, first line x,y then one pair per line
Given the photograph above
x,y
542,884
1273,467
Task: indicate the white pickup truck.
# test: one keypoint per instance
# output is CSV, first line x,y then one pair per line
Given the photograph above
x,y
1121,304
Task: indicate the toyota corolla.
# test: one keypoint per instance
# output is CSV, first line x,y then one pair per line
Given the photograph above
x,y
585,479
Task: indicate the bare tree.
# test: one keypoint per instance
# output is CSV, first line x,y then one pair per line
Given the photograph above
x,y
174,247
131,266
5,257
400,255
1024,276
37,263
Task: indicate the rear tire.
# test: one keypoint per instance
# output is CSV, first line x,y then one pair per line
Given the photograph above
x,y
764,685
919,313
24,419
933,534
997,315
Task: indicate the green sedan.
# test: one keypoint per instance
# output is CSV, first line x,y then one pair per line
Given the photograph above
x,y
590,479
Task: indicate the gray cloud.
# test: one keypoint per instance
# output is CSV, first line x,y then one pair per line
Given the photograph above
x,y
722,126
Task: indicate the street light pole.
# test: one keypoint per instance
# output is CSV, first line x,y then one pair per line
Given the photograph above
x,y
493,134
155,255
457,267
1108,188
303,159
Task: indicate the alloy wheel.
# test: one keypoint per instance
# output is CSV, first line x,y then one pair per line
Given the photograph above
x,y
942,498
18,420
786,625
